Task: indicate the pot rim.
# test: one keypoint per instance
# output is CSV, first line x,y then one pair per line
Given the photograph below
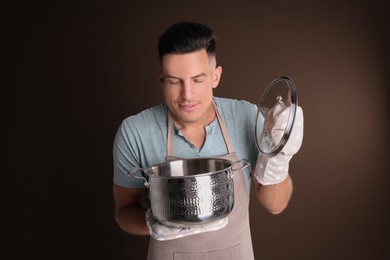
x,y
245,164
228,168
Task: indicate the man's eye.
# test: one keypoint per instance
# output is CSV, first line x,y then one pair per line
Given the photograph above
x,y
201,80
173,82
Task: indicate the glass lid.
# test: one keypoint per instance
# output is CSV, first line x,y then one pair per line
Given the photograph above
x,y
275,116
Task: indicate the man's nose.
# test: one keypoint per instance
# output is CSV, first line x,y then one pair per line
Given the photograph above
x,y
186,91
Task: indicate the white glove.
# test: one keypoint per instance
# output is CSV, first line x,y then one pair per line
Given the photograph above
x,y
273,170
161,232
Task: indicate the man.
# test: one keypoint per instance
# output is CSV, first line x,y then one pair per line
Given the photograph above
x,y
191,124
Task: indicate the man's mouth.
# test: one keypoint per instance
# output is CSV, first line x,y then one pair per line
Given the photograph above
x,y
188,107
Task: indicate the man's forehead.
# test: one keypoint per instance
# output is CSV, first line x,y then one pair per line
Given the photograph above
x,y
199,57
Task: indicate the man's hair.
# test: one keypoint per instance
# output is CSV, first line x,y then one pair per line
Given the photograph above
x,y
187,37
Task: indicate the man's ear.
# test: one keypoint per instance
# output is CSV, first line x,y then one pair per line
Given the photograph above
x,y
160,76
217,73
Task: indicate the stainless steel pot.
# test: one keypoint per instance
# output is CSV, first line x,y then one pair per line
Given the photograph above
x,y
190,192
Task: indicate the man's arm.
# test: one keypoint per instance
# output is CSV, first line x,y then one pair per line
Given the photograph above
x,y
129,213
273,183
275,197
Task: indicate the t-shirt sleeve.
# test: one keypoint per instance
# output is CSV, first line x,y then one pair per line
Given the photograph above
x,y
126,156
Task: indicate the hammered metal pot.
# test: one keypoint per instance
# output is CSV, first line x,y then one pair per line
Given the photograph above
x,y
190,192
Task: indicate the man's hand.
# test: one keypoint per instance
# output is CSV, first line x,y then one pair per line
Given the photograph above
x,y
273,170
162,232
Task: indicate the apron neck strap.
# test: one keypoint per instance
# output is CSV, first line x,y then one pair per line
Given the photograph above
x,y
225,133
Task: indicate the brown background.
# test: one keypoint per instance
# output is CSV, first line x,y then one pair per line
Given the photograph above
x,y
75,70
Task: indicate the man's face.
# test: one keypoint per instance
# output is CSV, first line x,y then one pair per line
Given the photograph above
x,y
188,81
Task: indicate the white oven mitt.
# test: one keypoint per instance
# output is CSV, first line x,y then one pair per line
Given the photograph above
x,y
161,232
272,170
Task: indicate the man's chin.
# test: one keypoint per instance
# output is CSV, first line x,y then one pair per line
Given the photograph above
x,y
187,118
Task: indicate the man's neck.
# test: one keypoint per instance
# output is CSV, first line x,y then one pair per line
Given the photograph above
x,y
195,131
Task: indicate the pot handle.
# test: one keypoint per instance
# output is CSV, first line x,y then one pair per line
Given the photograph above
x,y
133,174
245,164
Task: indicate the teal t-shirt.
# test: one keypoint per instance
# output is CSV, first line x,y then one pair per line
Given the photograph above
x,y
141,140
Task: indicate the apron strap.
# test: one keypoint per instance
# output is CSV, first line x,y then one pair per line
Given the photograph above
x,y
170,149
224,130
225,134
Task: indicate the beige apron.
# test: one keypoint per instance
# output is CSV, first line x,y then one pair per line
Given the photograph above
x,y
231,242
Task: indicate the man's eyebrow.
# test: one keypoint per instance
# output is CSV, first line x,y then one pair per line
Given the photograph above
x,y
171,77
200,75
203,74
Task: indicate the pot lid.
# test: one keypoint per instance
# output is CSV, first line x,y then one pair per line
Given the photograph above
x,y
279,97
